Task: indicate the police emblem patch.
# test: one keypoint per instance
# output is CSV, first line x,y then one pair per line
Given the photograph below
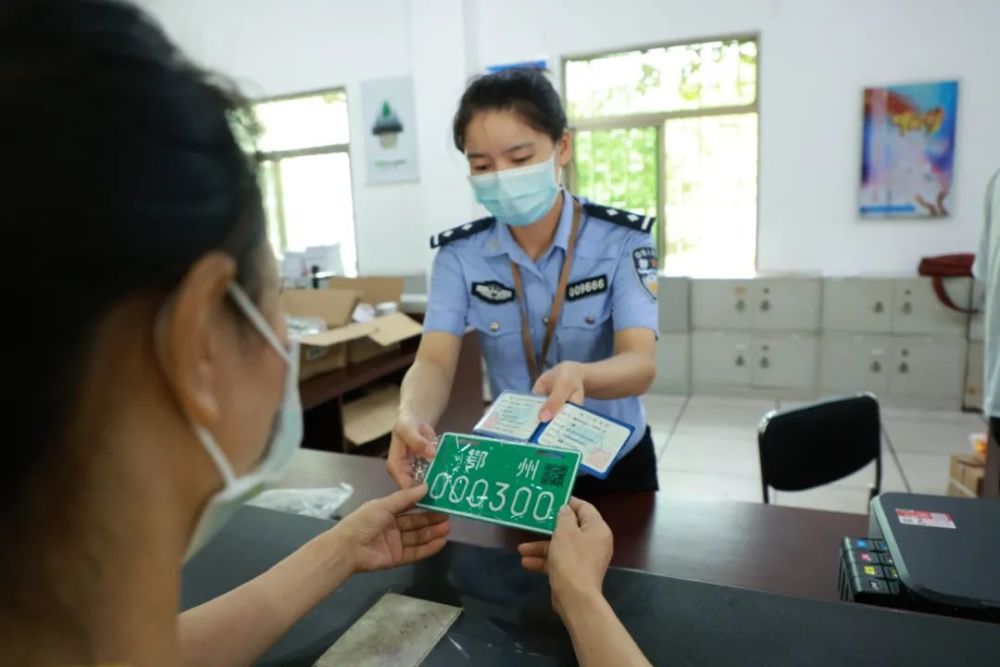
x,y
492,292
586,287
644,260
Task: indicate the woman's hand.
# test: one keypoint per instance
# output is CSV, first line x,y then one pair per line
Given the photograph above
x,y
410,438
561,383
576,558
379,536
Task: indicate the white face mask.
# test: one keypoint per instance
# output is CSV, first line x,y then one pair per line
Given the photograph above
x,y
285,439
520,196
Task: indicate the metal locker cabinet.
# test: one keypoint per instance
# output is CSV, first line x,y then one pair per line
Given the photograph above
x,y
786,361
973,399
720,358
674,300
852,363
786,304
929,367
916,309
858,305
673,364
721,304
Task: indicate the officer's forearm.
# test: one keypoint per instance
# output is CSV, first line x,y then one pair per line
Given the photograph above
x,y
426,388
425,391
628,373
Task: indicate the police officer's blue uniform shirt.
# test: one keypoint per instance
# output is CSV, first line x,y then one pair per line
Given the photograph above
x,y
612,286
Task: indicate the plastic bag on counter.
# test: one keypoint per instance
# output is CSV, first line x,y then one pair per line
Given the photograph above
x,y
304,326
318,503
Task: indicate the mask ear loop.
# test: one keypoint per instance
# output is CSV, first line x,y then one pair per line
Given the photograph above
x,y
251,312
215,452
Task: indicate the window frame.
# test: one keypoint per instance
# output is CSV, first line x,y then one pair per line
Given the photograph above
x,y
658,120
275,158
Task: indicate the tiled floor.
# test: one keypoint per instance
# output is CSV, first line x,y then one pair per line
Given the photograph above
x,y
707,448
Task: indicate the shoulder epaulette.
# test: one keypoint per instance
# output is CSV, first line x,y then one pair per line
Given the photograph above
x,y
640,223
461,232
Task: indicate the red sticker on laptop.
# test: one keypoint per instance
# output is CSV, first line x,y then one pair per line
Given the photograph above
x,y
927,519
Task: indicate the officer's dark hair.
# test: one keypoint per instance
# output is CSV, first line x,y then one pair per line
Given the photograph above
x,y
526,91
123,170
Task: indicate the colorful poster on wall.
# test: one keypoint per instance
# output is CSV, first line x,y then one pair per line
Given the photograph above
x,y
908,150
390,130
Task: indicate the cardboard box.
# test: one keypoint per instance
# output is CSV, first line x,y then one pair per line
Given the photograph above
x,y
388,332
373,289
326,351
966,476
372,416
391,329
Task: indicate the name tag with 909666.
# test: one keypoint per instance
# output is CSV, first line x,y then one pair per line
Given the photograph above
x,y
512,484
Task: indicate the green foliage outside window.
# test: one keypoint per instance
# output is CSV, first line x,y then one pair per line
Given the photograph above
x,y
618,168
700,101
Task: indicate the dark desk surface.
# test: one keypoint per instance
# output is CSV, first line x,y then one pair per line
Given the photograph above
x,y
765,547
507,619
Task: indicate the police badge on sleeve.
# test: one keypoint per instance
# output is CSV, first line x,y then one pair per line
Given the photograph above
x,y
646,265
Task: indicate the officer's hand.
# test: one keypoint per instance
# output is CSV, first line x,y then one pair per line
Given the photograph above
x,y
577,557
563,382
410,438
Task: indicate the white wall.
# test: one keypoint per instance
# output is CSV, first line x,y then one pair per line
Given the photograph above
x,y
816,56
273,48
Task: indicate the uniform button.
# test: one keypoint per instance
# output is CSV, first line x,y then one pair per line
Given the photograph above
x,y
591,319
494,326
545,320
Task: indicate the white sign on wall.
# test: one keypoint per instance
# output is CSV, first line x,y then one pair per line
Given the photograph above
x,y
390,127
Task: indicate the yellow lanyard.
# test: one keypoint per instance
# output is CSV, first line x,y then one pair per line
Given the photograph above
x,y
557,303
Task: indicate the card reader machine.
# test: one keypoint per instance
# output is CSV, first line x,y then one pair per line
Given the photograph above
x,y
927,553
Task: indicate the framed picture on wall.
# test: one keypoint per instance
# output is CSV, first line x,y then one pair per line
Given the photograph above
x,y
908,150
388,109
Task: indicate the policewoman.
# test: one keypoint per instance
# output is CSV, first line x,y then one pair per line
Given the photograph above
x,y
561,291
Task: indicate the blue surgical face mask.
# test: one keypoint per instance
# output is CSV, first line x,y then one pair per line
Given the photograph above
x,y
286,435
518,197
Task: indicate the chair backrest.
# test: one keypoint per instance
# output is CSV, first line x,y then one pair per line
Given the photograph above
x,y
814,445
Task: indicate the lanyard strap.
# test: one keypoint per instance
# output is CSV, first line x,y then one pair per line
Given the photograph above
x,y
557,303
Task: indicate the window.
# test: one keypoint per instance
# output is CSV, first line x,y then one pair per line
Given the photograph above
x,y
306,173
673,130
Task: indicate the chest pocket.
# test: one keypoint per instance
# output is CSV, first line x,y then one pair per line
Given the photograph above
x,y
499,327
585,328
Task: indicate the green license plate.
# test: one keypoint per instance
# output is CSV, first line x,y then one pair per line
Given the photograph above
x,y
517,485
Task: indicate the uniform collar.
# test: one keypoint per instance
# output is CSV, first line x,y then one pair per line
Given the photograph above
x,y
501,241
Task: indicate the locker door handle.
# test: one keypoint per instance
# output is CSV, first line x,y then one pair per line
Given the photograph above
x,y
904,368
765,305
876,367
765,362
879,307
741,305
907,308
740,361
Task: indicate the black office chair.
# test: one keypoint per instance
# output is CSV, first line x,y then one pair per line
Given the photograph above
x,y
818,444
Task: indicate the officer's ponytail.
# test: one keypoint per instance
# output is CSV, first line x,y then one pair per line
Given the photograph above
x,y
527,92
